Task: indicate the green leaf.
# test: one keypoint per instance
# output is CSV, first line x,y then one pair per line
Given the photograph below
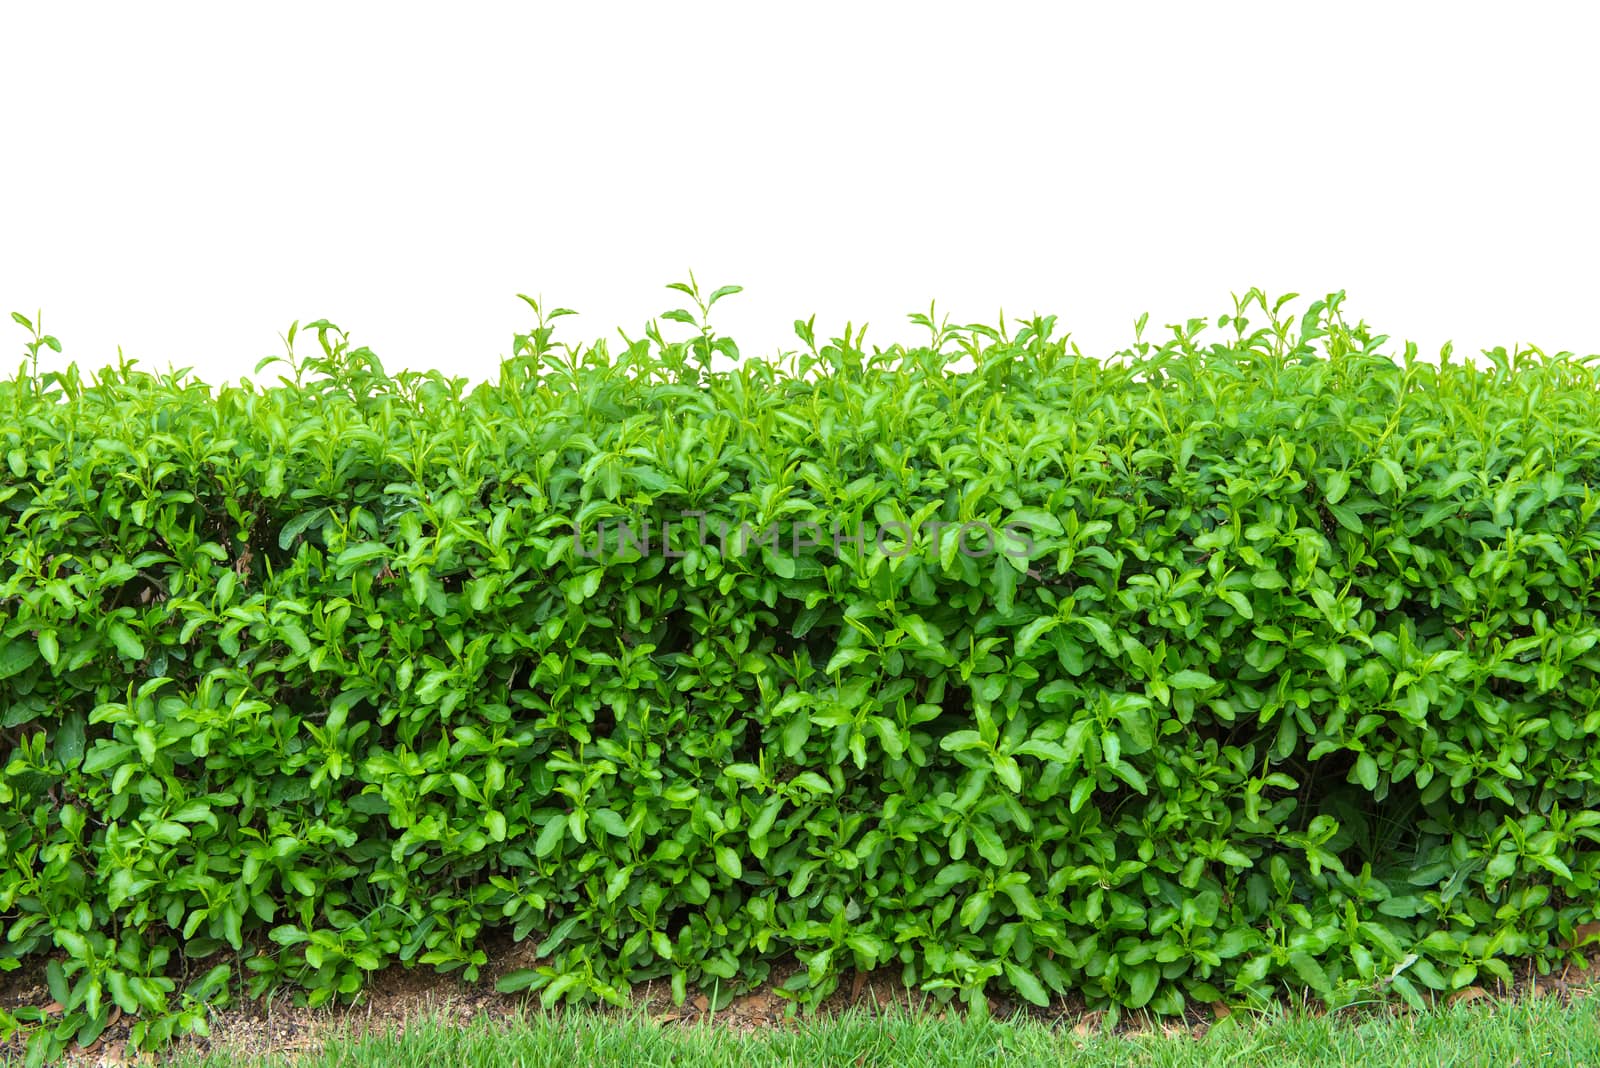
x,y
125,641
69,740
16,657
1036,521
1310,972
1030,634
551,837
1007,771
1082,790
1409,992
1142,982
609,821
845,657
359,554
296,526
106,755
990,846
1404,906
1025,983
960,741
1366,771
728,861
518,980
295,637
925,634
1191,680
1388,476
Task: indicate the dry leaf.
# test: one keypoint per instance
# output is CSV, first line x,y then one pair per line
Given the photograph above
x,y
1088,1025
113,1056
1471,993
1583,933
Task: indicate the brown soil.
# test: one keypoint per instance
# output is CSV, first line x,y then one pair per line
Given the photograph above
x,y
274,1026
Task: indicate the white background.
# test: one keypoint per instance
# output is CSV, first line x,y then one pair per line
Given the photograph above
x,y
183,181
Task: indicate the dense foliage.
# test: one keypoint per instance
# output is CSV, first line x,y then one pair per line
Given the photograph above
x,y
1280,672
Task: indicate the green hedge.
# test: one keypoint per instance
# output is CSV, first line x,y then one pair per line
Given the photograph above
x,y
1245,661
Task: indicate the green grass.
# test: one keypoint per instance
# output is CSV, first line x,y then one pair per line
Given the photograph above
x,y
1503,1034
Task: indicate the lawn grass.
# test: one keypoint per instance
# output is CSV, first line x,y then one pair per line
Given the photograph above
x,y
1541,1031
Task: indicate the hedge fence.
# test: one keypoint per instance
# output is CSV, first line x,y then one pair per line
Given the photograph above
x,y
1249,660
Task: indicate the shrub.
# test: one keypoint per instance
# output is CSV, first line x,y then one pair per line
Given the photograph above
x,y
1246,661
